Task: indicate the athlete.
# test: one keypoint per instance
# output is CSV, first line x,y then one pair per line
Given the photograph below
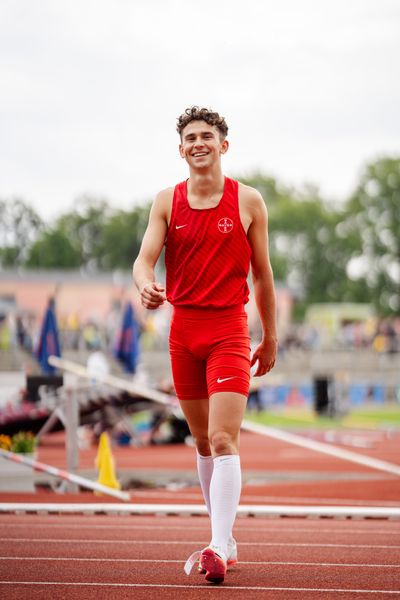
x,y
214,229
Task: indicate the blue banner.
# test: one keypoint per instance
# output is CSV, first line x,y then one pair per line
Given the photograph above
x,y
127,347
49,343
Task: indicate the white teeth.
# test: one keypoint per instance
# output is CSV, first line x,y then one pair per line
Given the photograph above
x,y
200,154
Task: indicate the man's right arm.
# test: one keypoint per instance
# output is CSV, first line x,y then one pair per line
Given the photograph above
x,y
152,293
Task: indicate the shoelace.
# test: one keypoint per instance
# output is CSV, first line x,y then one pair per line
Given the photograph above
x,y
191,561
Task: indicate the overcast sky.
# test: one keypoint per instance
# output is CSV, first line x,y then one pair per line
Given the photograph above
x,y
90,92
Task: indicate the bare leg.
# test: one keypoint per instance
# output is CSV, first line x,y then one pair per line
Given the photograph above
x,y
196,414
225,418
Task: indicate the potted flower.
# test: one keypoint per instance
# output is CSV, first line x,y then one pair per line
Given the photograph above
x,y
17,476
23,442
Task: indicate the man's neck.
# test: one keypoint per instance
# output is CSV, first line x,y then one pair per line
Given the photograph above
x,y
204,184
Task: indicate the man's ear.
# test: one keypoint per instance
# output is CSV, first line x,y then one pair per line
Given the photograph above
x,y
224,147
181,152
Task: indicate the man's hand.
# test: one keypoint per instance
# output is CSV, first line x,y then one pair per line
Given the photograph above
x,y
152,295
265,354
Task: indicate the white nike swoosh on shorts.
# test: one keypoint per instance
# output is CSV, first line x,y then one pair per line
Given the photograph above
x,y
221,380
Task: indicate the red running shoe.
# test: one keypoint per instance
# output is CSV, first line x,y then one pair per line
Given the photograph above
x,y
213,561
231,558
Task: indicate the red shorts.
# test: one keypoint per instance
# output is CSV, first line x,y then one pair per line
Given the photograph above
x,y
210,351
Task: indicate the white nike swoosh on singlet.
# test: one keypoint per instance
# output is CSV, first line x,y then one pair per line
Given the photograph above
x,y
221,380
180,226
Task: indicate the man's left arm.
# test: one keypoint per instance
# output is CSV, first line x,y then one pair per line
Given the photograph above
x,y
263,281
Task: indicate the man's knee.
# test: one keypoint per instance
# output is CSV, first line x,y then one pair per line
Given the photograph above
x,y
223,442
203,446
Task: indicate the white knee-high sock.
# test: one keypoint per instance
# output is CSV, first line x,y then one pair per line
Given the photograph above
x,y
225,488
205,467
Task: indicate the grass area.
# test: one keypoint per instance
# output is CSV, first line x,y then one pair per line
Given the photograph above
x,y
368,418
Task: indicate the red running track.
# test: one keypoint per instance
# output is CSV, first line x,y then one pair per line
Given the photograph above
x,y
142,557
274,472
258,453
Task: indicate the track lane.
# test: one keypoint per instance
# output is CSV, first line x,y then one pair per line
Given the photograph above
x,y
257,453
361,554
150,573
96,591
171,573
143,523
299,557
280,558
181,537
195,522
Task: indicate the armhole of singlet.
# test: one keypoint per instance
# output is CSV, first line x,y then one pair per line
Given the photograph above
x,y
236,186
173,208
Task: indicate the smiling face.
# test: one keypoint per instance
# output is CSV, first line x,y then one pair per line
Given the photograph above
x,y
201,144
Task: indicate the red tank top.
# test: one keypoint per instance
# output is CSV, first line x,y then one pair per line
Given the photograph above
x,y
207,254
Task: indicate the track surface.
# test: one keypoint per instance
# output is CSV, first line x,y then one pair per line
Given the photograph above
x,y
274,472
258,453
48,556
142,557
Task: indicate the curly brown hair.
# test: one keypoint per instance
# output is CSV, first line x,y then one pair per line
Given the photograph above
x,y
195,113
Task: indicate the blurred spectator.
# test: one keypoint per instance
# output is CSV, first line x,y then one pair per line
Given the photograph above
x,y
387,339
23,332
91,337
5,334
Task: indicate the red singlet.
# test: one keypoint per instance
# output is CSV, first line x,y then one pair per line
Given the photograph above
x,y
207,255
207,260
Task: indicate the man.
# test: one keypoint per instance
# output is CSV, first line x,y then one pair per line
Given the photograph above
x,y
213,228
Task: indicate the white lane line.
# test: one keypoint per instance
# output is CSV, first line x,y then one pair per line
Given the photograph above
x,y
181,542
200,587
265,499
328,501
55,525
180,562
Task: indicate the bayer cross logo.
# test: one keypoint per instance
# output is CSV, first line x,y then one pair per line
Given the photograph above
x,y
225,225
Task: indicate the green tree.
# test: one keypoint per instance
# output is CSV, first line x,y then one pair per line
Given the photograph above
x,y
121,238
84,227
305,250
53,250
20,226
372,218
275,195
92,235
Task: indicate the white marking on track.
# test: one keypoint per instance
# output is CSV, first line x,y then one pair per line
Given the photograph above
x,y
200,587
278,529
183,542
328,501
168,561
265,499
